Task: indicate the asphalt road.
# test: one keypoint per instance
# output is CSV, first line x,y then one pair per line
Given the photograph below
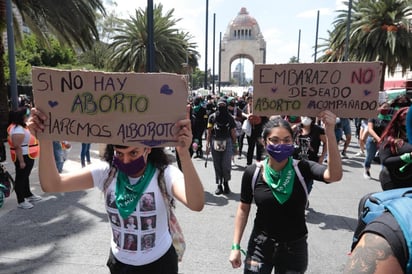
x,y
69,233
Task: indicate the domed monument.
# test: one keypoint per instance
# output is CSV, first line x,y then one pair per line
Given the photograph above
x,y
242,39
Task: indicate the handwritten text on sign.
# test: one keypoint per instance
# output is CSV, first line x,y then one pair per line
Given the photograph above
x,y
348,89
138,109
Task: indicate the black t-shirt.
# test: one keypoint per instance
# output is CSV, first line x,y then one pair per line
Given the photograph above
x,y
379,125
387,227
392,163
308,144
284,222
221,130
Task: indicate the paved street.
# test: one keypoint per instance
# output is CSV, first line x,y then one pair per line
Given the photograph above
x,y
68,233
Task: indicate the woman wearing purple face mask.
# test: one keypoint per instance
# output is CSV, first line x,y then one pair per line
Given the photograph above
x,y
133,192
279,235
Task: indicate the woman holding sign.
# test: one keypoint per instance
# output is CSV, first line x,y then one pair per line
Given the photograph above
x,y
279,188
138,173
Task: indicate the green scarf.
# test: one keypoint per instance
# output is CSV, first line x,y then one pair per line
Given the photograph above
x,y
280,182
127,195
386,117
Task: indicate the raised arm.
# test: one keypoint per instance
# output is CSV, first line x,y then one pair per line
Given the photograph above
x,y
50,179
190,192
334,171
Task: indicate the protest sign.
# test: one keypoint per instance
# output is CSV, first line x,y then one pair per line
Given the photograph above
x,y
135,109
349,89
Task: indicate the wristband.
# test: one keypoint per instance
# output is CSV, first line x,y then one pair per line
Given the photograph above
x,y
235,246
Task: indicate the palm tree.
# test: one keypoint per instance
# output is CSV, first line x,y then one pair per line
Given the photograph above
x,y
71,22
380,30
172,46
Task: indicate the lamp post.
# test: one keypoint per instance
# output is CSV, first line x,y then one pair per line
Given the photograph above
x,y
206,41
12,60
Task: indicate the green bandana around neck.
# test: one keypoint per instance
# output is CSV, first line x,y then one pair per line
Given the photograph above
x,y
386,117
280,182
127,195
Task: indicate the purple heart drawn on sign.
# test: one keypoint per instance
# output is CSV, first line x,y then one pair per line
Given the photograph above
x,y
166,90
367,92
274,89
53,103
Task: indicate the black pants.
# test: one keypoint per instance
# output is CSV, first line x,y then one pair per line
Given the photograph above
x,y
167,264
22,179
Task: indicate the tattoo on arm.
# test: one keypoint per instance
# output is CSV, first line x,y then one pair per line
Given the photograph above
x,y
371,250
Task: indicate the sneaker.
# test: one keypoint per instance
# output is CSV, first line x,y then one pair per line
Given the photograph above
x,y
344,155
25,205
367,174
34,198
360,154
219,190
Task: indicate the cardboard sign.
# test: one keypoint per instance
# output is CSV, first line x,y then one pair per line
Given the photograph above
x,y
135,109
347,89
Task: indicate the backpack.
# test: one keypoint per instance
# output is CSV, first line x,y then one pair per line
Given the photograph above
x,y
6,181
297,171
220,130
398,202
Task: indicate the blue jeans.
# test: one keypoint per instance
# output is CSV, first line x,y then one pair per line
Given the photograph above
x,y
371,149
85,153
58,155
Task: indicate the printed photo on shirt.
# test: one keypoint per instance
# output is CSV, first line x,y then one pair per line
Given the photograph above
x,y
130,242
148,241
130,222
148,223
116,237
147,202
114,219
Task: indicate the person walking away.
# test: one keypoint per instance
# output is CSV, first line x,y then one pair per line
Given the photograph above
x,y
309,138
198,126
85,154
139,172
376,126
236,112
24,149
279,235
347,131
255,139
221,141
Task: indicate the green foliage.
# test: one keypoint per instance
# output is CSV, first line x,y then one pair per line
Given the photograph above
x,y
172,46
32,53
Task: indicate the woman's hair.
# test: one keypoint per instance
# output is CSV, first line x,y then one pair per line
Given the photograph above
x,y
276,122
394,129
17,116
157,156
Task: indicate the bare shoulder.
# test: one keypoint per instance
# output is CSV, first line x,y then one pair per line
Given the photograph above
x,y
373,254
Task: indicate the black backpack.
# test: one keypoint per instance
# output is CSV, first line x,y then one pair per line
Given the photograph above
x,y
221,131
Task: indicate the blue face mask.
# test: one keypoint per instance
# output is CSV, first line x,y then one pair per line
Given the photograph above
x,y
131,168
280,152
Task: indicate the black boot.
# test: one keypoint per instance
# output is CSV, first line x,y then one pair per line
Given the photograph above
x,y
226,189
219,189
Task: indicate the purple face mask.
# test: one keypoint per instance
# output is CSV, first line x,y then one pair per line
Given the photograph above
x,y
280,152
130,168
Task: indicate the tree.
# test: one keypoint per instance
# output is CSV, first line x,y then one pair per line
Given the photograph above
x,y
172,46
380,30
71,22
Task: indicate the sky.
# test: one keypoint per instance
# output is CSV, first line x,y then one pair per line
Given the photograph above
x,y
279,23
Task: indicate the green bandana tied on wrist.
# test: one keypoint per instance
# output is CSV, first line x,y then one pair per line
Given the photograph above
x,y
280,182
127,195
